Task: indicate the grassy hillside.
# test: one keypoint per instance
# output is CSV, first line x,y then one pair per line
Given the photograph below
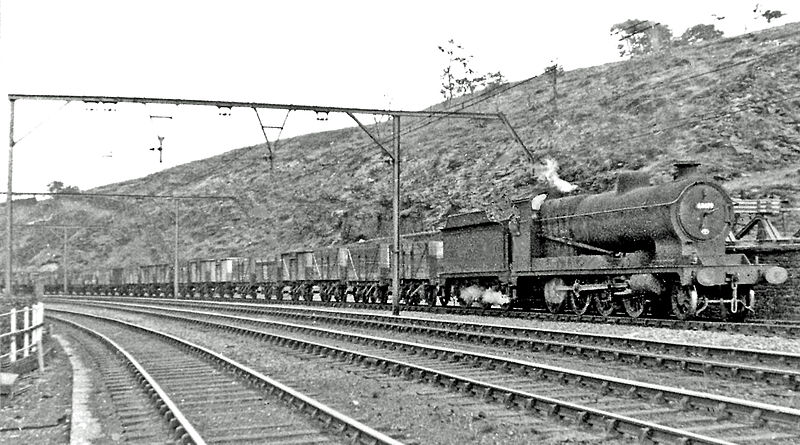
x,y
732,104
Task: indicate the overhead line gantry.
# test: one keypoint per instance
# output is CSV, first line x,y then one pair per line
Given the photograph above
x,y
394,154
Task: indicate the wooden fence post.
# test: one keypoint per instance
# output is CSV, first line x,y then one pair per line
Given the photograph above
x,y
26,335
38,320
12,357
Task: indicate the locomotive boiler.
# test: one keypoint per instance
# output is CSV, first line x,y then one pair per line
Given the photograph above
x,y
636,248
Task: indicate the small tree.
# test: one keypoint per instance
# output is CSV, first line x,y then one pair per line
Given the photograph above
x,y
770,15
700,33
641,37
553,72
59,187
458,77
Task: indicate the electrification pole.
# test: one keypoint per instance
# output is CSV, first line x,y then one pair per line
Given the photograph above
x,y
395,153
64,263
175,271
396,222
9,205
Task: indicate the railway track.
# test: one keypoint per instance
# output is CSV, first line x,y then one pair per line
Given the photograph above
x,y
738,363
735,363
786,329
208,398
782,328
616,405
518,426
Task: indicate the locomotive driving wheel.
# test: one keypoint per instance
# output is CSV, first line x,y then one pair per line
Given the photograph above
x,y
554,295
684,301
635,305
579,301
605,303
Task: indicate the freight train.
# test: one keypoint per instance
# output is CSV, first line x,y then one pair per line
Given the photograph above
x,y
640,249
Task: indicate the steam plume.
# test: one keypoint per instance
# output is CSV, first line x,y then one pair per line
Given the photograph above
x,y
548,172
478,294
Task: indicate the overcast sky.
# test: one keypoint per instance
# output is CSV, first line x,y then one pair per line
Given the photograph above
x,y
341,53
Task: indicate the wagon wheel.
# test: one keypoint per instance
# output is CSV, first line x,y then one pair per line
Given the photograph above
x,y
340,293
605,303
746,297
382,294
430,295
359,296
325,292
553,297
684,301
635,305
445,294
580,302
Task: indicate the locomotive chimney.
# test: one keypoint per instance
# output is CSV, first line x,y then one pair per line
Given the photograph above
x,y
684,169
631,180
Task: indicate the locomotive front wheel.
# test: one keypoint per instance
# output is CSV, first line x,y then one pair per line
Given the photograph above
x,y
605,303
555,297
635,305
580,302
684,301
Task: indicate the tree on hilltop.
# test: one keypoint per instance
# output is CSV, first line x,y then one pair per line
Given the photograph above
x,y
59,187
458,77
641,37
700,33
769,15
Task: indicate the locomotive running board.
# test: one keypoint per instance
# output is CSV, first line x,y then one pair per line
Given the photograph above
x,y
573,243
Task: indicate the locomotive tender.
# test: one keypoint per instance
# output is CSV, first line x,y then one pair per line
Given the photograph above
x,y
638,249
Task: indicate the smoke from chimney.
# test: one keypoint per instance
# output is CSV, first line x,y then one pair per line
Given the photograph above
x,y
547,171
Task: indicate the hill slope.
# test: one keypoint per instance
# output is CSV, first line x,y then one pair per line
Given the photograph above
x,y
732,104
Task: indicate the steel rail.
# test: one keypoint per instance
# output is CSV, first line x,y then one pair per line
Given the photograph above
x,y
544,336
183,428
610,422
783,329
720,405
527,332
780,329
545,340
568,337
575,342
359,432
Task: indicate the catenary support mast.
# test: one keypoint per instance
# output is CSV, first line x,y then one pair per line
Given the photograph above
x,y
395,114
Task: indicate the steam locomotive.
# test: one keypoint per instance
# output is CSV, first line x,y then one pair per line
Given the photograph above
x,y
638,249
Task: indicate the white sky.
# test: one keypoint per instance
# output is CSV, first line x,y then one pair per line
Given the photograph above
x,y
347,53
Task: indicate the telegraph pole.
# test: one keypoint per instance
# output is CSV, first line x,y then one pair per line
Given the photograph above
x,y
9,205
64,262
176,270
396,222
